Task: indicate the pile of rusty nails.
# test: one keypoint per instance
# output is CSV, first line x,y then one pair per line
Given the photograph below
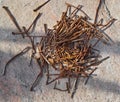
x,y
67,48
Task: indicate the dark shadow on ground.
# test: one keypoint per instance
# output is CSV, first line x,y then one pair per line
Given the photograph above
x,y
7,36
26,75
105,86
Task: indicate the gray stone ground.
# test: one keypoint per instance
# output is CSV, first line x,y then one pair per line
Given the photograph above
x,y
14,87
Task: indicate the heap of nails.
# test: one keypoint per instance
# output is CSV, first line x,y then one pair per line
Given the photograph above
x,y
69,48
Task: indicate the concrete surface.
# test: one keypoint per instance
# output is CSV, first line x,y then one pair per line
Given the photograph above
x,y
14,87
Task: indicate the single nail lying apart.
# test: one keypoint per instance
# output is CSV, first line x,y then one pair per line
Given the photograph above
x,y
12,18
40,6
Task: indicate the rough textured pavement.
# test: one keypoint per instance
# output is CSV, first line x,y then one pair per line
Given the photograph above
x,y
14,87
